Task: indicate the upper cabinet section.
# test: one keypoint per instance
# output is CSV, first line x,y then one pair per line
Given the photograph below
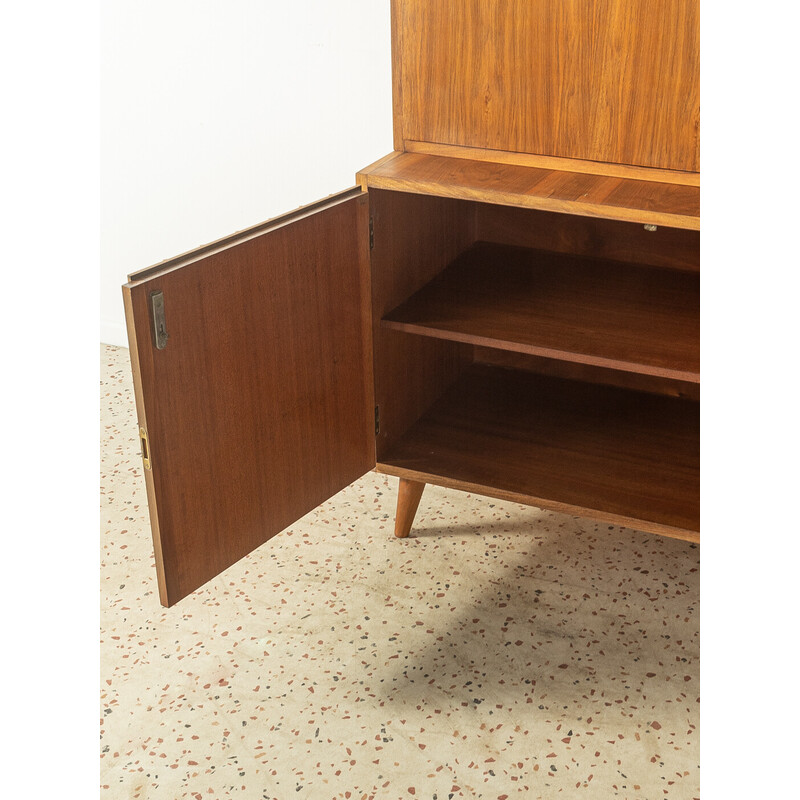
x,y
614,81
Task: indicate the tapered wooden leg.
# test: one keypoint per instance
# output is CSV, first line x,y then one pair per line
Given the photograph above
x,y
408,496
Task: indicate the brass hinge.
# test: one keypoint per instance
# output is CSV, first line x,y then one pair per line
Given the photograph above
x,y
371,233
145,447
377,420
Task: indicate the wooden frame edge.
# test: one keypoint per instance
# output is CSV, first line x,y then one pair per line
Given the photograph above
x,y
398,111
163,590
599,210
362,174
555,162
549,505
273,223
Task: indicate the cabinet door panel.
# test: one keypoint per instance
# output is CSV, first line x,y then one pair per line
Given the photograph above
x,y
259,406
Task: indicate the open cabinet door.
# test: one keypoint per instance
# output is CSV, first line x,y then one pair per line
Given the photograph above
x,y
252,365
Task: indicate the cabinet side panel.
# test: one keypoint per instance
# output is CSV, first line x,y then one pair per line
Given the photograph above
x,y
603,80
415,237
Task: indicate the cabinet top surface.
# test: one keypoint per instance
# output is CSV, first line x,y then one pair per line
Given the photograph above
x,y
584,194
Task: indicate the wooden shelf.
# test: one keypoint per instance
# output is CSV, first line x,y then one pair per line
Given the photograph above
x,y
590,311
581,193
606,453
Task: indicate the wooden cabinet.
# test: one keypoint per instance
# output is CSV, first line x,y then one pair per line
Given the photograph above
x,y
506,304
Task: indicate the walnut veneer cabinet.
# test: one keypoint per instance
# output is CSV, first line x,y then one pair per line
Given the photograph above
x,y
506,304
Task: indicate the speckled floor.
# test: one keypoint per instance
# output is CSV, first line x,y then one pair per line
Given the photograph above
x,y
500,652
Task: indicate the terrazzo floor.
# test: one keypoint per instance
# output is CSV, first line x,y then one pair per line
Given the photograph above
x,y
500,652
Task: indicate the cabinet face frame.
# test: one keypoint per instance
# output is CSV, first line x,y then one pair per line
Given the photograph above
x,y
255,399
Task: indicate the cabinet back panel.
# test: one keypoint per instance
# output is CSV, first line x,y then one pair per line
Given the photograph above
x,y
586,373
588,236
604,80
415,238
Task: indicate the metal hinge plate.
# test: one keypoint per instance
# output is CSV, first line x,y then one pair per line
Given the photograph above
x,y
145,447
371,233
377,420
159,320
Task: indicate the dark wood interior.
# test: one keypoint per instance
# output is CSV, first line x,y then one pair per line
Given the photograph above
x,y
414,238
588,373
528,367
588,236
591,450
575,308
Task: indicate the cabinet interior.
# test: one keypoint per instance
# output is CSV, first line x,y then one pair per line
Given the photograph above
x,y
538,356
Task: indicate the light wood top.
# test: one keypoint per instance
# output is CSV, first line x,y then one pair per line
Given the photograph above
x,y
604,196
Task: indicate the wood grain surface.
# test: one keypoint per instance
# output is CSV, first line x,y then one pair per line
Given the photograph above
x,y
408,497
604,80
558,163
588,236
621,316
587,373
414,238
604,196
260,407
600,452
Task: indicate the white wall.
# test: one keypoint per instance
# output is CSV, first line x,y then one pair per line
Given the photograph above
x,y
219,115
